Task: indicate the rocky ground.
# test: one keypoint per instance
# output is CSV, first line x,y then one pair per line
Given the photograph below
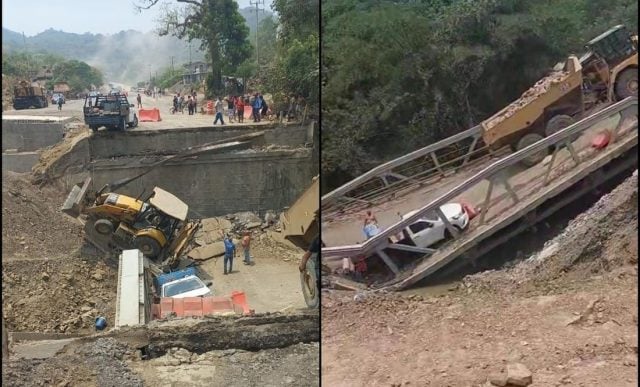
x,y
565,316
51,282
266,350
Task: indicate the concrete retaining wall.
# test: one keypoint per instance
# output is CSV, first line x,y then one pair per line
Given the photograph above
x,y
105,145
219,184
25,136
19,162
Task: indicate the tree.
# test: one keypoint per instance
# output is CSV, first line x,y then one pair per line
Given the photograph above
x,y
401,74
295,68
217,24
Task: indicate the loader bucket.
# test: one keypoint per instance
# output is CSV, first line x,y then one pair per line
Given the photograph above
x,y
73,205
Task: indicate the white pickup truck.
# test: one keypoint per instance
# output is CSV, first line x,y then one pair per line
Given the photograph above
x,y
190,286
430,229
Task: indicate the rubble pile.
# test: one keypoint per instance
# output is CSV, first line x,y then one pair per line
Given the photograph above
x,y
602,239
102,362
32,224
541,87
60,295
209,239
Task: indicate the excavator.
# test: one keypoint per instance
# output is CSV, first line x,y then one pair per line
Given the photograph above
x,y
299,226
156,225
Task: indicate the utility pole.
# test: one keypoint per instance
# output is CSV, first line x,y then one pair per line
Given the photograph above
x,y
172,69
257,3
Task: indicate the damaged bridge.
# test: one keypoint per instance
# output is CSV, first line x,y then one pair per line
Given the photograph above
x,y
510,198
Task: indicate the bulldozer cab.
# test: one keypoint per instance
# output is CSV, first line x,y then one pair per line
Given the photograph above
x,y
169,204
614,45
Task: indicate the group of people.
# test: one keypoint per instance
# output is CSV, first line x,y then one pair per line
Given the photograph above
x,y
191,103
236,106
230,251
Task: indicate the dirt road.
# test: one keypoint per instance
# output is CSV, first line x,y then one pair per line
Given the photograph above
x,y
569,314
73,108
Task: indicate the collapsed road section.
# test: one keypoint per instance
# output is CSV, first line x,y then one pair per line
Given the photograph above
x,y
60,288
269,350
217,172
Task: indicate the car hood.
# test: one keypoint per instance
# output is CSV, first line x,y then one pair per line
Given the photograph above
x,y
194,293
450,210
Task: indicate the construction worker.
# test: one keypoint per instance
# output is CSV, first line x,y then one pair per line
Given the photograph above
x,y
246,246
229,253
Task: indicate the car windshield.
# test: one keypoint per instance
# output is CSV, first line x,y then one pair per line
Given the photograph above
x,y
185,286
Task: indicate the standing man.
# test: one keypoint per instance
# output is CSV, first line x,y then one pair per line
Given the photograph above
x,y
60,102
231,111
257,105
370,227
139,99
240,109
264,107
246,246
229,253
190,105
219,111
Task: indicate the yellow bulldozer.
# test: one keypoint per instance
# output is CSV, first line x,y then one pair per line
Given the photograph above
x,y
300,225
157,226
607,73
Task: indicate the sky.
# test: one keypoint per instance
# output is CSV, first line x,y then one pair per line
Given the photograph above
x,y
80,16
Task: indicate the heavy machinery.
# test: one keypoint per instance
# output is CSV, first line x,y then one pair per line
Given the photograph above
x,y
26,96
112,111
157,226
608,72
300,226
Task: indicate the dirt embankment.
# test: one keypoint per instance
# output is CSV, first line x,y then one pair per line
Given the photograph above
x,y
265,350
569,314
32,224
49,282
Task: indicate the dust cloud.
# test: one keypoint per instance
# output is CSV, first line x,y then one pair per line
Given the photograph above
x,y
130,56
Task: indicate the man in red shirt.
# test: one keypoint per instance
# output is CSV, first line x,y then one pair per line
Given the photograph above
x,y
246,246
240,109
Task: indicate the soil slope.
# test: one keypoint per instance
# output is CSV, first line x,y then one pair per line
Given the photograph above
x,y
568,314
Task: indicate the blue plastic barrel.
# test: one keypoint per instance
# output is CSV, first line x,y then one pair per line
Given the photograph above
x,y
101,323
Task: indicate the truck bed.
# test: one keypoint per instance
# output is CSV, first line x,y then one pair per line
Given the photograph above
x,y
557,88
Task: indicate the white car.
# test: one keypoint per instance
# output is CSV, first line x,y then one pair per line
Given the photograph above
x,y
430,229
189,286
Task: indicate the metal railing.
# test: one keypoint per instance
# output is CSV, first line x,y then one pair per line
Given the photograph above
x,y
628,108
403,171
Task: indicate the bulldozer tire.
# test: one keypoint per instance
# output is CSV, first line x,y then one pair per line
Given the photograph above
x,y
627,84
309,282
104,226
535,158
148,246
559,122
